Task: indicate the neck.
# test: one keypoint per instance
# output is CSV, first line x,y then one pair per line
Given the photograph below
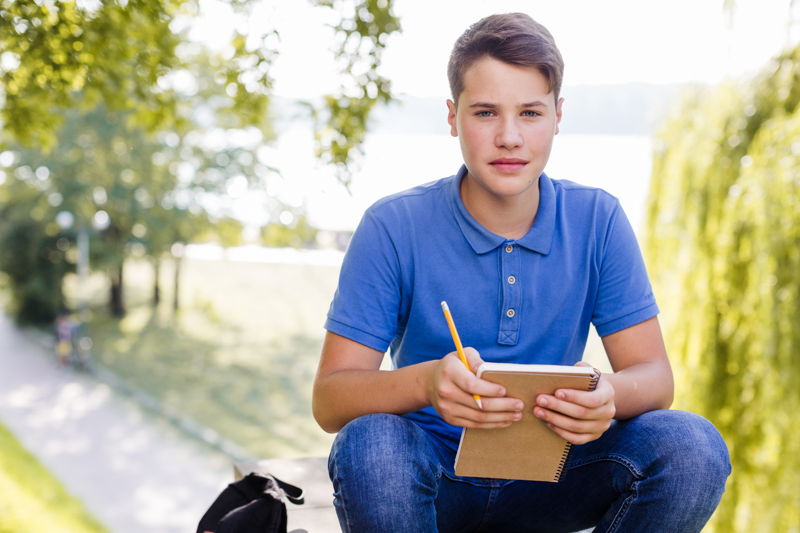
x,y
509,217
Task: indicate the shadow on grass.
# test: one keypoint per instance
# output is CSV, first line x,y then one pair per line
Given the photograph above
x,y
254,392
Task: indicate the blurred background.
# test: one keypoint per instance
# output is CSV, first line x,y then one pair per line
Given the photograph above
x,y
179,180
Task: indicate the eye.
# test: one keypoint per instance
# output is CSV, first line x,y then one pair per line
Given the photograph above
x,y
484,113
531,113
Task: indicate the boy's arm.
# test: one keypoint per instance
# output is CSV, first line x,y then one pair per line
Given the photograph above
x,y
642,376
349,384
641,382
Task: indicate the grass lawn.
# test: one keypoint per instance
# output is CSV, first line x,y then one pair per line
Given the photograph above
x,y
32,500
239,356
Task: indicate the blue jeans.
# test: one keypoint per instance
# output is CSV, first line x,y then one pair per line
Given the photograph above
x,y
663,471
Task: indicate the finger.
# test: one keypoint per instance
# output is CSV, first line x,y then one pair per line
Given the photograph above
x,y
467,423
572,410
473,358
503,404
470,416
485,388
483,419
571,424
590,399
574,438
489,402
467,381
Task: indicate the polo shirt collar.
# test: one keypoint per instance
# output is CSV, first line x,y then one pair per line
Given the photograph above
x,y
539,237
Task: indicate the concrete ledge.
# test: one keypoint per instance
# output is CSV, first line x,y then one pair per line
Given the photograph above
x,y
317,514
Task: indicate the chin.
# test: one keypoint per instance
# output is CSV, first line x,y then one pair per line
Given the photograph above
x,y
510,189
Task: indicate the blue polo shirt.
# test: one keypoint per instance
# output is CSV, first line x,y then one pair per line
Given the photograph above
x,y
529,300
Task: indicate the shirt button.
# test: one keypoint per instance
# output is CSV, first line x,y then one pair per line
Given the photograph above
x,y
510,313
512,280
509,249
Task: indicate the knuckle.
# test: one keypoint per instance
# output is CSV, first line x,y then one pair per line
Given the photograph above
x,y
444,392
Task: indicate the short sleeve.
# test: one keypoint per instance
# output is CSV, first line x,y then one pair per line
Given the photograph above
x,y
624,295
365,305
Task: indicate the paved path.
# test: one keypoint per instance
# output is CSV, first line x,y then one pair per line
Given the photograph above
x,y
133,471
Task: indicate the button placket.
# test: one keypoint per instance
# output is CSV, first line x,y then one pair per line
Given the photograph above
x,y
509,321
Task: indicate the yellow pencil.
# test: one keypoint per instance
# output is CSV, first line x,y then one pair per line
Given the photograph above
x,y
457,341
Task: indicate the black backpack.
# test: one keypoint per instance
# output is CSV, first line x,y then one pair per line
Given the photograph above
x,y
254,504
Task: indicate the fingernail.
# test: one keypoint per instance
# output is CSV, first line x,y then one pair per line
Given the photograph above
x,y
561,395
517,416
542,401
519,406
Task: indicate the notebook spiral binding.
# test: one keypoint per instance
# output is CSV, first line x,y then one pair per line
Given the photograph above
x,y
560,468
562,462
594,380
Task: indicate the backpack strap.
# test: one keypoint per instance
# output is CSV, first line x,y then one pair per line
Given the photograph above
x,y
293,493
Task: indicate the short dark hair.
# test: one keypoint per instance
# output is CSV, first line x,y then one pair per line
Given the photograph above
x,y
513,38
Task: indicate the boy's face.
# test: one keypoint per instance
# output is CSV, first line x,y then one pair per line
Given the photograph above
x,y
505,120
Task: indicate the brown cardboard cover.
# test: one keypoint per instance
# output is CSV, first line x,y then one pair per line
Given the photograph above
x,y
526,449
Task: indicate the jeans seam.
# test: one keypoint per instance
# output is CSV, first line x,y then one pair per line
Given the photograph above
x,y
339,495
493,493
614,459
618,517
344,507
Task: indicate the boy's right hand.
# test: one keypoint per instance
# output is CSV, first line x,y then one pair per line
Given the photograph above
x,y
450,391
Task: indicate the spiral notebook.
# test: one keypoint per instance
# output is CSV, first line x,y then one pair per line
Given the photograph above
x,y
526,449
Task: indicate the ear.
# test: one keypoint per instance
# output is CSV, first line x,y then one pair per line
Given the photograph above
x,y
559,112
451,117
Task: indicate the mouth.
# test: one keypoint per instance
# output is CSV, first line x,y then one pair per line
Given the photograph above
x,y
508,164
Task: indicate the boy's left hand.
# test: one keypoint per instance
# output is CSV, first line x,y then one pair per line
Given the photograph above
x,y
578,416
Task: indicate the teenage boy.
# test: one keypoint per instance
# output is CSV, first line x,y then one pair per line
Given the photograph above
x,y
525,262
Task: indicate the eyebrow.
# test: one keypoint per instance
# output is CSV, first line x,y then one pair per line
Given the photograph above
x,y
537,103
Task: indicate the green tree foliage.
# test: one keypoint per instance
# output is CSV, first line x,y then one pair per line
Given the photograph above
x,y
341,122
723,245
32,255
59,55
226,231
108,106
101,163
294,232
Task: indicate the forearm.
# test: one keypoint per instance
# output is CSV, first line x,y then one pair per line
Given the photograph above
x,y
642,387
341,396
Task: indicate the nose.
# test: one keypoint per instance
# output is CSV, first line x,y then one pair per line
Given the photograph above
x,y
508,134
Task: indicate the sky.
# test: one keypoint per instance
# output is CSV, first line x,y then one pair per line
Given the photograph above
x,y
608,42
613,41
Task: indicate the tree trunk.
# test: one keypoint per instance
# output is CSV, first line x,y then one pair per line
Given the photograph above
x,y
116,302
178,259
156,281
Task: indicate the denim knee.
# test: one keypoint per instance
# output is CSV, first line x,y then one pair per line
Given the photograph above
x,y
385,475
388,450
690,455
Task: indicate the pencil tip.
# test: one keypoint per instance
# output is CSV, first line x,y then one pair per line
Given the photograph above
x,y
444,306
